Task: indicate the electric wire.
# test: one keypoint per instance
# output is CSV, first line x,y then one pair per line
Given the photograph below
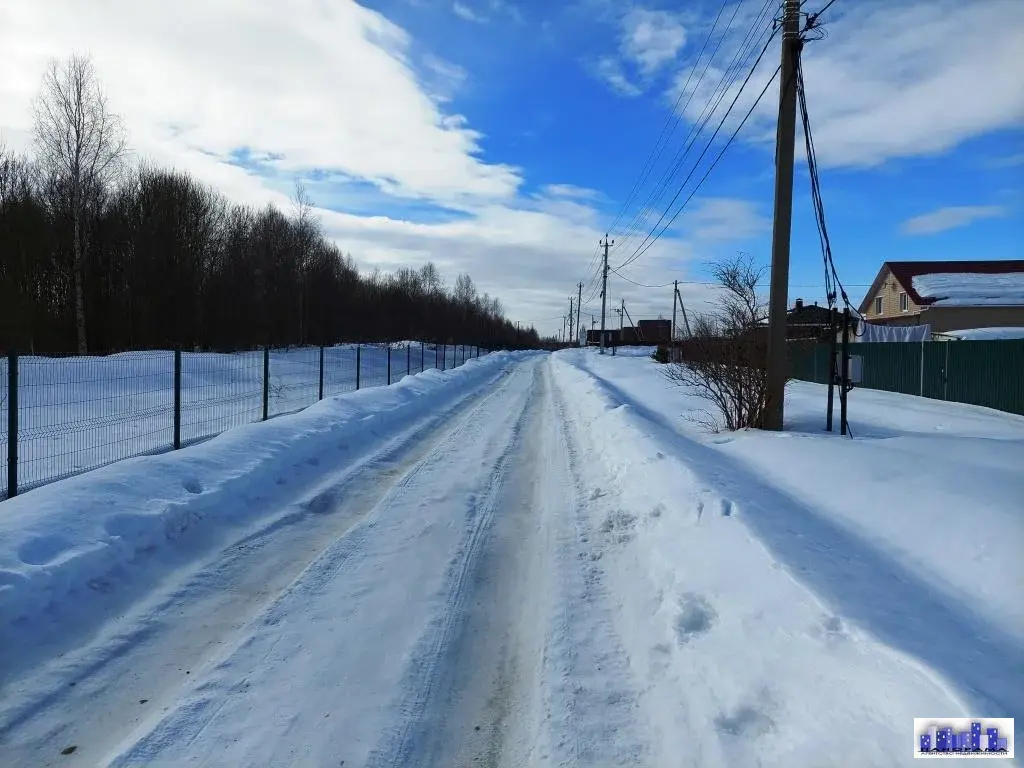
x,y
649,240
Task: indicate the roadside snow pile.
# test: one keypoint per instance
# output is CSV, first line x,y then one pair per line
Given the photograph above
x,y
910,533
986,334
738,662
971,288
71,542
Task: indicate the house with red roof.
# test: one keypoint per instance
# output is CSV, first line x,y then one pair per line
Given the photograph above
x,y
947,295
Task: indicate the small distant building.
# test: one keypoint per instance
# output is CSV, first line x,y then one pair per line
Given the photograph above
x,y
654,331
629,336
611,337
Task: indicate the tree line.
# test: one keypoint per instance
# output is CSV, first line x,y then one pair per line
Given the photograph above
x,y
98,256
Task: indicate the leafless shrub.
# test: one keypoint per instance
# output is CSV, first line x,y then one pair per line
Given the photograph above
x,y
723,360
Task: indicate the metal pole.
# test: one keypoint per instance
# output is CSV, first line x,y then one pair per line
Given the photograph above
x,y
423,357
675,290
444,354
846,371
389,365
579,300
945,375
320,395
831,368
359,350
266,383
177,399
604,287
12,424
920,386
408,359
782,221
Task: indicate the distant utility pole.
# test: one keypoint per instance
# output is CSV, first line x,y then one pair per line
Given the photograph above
x,y
682,308
604,285
572,317
622,311
675,293
778,301
579,301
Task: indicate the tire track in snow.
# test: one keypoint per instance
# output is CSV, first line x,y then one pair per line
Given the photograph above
x,y
329,617
592,698
431,661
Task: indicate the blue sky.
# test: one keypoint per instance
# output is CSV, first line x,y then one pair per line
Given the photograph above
x,y
501,137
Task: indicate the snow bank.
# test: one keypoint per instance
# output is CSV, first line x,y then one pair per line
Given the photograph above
x,y
65,543
910,532
971,289
986,334
738,660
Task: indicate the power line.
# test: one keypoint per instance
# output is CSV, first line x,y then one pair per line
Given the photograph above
x,y
648,240
674,117
740,58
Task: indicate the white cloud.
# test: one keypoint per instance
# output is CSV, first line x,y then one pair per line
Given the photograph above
x,y
322,85
652,38
724,219
951,217
648,41
609,69
571,191
467,13
894,80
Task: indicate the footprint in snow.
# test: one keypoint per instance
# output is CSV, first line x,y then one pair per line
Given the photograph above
x,y
696,617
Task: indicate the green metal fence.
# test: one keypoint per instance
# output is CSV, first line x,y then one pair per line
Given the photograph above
x,y
988,373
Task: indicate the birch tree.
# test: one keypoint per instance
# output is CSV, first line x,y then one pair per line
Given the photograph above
x,y
82,144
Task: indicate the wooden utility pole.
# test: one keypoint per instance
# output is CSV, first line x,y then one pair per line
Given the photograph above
x,y
604,285
675,292
682,308
572,318
579,301
778,301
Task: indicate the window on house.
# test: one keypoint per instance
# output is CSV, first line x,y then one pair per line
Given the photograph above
x,y
904,302
878,305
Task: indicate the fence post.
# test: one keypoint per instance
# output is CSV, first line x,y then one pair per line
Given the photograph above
x,y
408,359
266,383
359,350
320,395
177,398
12,424
389,365
920,386
945,375
844,391
444,355
423,358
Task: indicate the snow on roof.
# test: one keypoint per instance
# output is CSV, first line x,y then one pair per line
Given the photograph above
x,y
969,289
987,334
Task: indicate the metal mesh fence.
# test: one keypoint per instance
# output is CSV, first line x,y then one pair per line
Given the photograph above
x,y
74,414
219,392
79,413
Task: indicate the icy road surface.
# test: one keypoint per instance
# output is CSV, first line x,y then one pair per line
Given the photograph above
x,y
534,573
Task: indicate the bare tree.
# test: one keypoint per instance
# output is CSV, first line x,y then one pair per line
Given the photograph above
x,y
723,361
81,143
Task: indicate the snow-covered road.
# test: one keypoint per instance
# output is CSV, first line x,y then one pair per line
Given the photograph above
x,y
541,570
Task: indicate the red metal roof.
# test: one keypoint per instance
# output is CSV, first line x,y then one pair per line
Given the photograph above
x,y
906,271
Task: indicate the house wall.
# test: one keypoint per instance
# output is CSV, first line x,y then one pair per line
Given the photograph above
x,y
944,319
890,291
